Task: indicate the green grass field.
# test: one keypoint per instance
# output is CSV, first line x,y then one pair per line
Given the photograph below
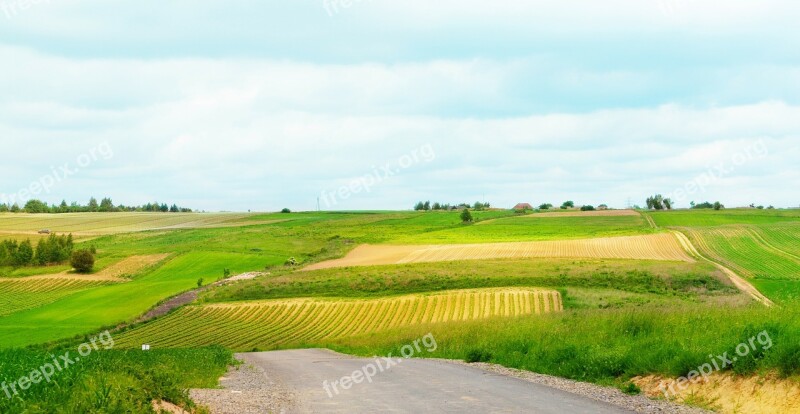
x,y
621,318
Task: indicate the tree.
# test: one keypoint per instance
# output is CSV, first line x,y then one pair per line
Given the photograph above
x,y
437,206
106,205
545,206
286,211
82,261
200,282
718,205
24,254
655,202
36,206
419,206
466,216
92,207
668,203
568,204
587,208
427,206
174,209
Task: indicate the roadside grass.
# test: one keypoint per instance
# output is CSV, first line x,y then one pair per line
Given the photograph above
x,y
110,381
637,276
609,346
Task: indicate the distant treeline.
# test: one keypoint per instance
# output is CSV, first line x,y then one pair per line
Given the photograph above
x,y
104,206
52,250
427,206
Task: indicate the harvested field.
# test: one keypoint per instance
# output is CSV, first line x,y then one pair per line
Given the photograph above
x,y
662,246
269,324
595,213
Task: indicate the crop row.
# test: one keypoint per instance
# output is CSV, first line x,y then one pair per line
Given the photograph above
x,y
21,294
747,252
269,324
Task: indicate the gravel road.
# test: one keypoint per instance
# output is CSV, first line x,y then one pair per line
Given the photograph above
x,y
292,382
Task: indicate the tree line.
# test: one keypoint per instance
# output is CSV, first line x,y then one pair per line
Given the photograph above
x,y
106,205
428,206
54,250
49,251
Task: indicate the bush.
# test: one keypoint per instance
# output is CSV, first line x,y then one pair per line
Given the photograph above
x,y
82,261
587,208
286,211
477,355
466,216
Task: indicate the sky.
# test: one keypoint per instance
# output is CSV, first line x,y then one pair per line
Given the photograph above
x,y
377,104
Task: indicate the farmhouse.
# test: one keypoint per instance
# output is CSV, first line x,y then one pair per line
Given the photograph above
x,y
523,206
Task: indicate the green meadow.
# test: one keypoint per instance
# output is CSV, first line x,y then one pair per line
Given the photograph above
x,y
622,318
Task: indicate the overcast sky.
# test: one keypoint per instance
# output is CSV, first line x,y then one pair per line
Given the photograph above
x,y
375,104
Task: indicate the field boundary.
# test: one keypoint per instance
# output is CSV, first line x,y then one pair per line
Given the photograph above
x,y
737,280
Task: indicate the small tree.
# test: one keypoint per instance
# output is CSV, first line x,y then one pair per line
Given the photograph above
x,y
24,254
718,205
545,206
82,261
568,204
200,282
668,203
587,208
286,211
466,216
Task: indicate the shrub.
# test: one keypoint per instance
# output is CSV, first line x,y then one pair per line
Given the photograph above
x,y
587,208
82,261
631,389
477,355
466,216
290,262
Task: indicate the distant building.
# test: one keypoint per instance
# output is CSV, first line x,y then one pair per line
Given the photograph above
x,y
523,206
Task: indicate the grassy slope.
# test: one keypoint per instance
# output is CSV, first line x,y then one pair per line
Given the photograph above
x,y
111,381
93,308
760,244
639,276
609,346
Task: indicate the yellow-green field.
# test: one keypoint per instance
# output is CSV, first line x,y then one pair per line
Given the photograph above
x,y
275,323
86,224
